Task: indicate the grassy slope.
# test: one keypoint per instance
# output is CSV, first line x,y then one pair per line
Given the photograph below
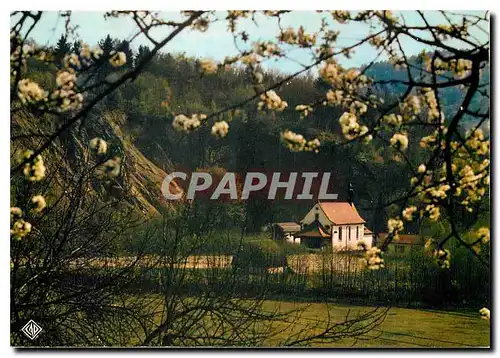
x,y
402,328
143,179
407,328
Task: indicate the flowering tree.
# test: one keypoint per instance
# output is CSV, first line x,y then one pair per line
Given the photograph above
x,y
62,226
450,179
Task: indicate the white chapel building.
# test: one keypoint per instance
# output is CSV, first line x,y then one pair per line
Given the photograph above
x,y
334,223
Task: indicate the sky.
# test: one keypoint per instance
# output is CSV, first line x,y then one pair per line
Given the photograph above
x,y
217,42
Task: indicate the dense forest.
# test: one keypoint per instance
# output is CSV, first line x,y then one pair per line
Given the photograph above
x,y
143,110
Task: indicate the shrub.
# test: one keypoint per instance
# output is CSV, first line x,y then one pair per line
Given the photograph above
x,y
259,255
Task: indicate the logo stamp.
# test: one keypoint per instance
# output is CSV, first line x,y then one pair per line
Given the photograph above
x,y
31,329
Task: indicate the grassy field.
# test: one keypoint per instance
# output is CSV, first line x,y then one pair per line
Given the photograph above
x,y
405,328
402,327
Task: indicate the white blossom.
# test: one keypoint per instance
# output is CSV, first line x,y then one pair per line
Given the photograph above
x,y
430,98
97,52
358,106
312,145
266,49
413,103
305,39
305,109
351,74
476,142
67,99
220,129
433,211
399,140
98,145
85,52
329,72
20,229
394,225
39,202
208,65
29,91
350,126
71,60
367,138
438,192
272,101
484,234
65,96
373,259
341,16
201,24
117,59
442,257
289,36
408,213
28,49
428,141
186,124
485,313
295,142
66,79
429,243
335,97
35,169
393,119
251,59
15,213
